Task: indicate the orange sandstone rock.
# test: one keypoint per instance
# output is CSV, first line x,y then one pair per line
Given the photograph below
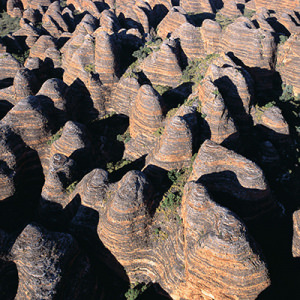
x,y
175,17
226,172
146,118
106,59
288,61
124,94
163,67
174,150
296,234
221,125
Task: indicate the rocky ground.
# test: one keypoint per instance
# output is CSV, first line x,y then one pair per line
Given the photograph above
x,y
149,149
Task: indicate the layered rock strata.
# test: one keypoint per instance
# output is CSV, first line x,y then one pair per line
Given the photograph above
x,y
49,264
145,120
174,149
164,66
225,172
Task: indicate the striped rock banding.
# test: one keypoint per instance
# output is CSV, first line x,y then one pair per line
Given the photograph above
x,y
92,189
98,95
211,34
31,118
106,59
87,25
226,172
123,95
81,62
70,47
55,89
138,15
174,149
109,22
175,17
273,125
60,175
236,86
296,234
194,6
73,143
287,20
146,118
221,125
42,44
288,62
221,260
277,5
52,211
230,10
9,66
163,67
242,38
210,238
25,84
190,41
45,260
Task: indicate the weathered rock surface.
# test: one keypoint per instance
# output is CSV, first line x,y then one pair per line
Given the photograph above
x,y
25,84
242,39
223,171
146,118
236,87
221,125
190,41
73,143
276,4
174,150
9,66
296,234
124,94
49,265
106,59
32,118
192,6
175,17
164,66
288,61
196,248
41,45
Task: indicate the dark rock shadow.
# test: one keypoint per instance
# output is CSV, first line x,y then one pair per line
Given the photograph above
x,y
197,19
5,107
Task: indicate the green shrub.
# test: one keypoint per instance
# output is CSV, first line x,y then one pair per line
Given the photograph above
x,y
21,57
171,113
223,20
71,187
196,69
249,13
8,24
287,93
142,53
55,137
135,291
161,89
90,68
175,175
148,48
63,3
216,92
283,39
112,167
125,137
159,131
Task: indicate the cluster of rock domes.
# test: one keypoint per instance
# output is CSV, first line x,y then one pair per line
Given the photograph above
x,y
102,102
